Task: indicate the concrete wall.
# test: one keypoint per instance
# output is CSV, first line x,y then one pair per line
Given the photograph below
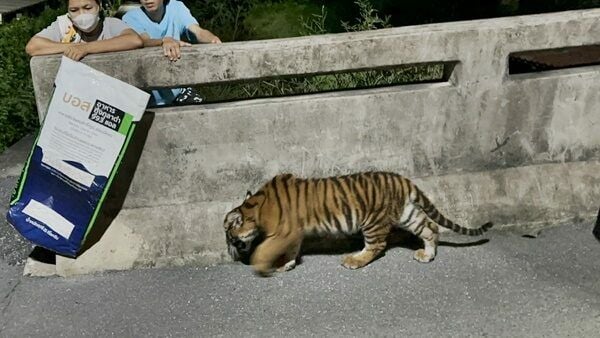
x,y
197,162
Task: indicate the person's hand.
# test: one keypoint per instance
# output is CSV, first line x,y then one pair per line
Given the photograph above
x,y
172,48
215,40
76,51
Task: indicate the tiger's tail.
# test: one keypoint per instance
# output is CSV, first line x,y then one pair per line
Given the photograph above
x,y
419,199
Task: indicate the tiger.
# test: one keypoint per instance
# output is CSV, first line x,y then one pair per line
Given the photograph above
x,y
287,209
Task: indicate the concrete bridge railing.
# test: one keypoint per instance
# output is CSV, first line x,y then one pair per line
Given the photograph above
x,y
485,145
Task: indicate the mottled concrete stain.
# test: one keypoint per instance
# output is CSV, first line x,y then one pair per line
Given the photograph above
x,y
119,249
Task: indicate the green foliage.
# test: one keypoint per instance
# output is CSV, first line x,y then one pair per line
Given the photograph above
x,y
321,83
17,103
315,24
280,19
532,6
111,7
368,18
223,18
276,19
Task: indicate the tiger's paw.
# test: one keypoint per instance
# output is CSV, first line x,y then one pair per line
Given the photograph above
x,y
263,271
288,266
352,263
263,274
422,257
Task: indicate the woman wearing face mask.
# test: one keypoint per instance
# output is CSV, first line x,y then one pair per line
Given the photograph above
x,y
83,31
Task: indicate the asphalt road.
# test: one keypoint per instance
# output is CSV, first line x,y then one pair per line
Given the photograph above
x,y
511,286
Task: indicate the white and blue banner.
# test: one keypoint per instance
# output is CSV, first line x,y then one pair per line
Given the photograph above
x,y
79,148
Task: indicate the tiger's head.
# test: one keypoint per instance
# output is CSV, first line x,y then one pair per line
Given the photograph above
x,y
242,228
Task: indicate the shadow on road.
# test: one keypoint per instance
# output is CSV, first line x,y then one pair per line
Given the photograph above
x,y
596,230
338,245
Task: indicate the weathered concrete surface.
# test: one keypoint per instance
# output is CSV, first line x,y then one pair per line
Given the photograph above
x,y
516,150
509,287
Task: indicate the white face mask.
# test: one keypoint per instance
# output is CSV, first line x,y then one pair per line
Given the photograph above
x,y
86,22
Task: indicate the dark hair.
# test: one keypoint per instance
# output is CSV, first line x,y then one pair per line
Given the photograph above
x,y
99,2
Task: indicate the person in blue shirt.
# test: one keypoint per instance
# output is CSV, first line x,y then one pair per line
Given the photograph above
x,y
163,23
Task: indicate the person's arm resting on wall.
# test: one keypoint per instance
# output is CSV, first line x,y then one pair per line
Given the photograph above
x,y
171,47
126,41
42,46
203,35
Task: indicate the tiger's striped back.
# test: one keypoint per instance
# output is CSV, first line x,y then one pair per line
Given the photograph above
x,y
348,204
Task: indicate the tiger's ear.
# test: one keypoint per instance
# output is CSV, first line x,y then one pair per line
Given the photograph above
x,y
254,200
248,195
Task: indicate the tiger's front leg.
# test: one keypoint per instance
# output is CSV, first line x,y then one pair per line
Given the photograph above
x,y
267,253
290,258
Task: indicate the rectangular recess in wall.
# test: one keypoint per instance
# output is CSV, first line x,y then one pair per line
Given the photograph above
x,y
330,82
552,59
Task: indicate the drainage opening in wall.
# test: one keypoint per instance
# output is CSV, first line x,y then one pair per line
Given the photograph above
x,y
553,59
319,83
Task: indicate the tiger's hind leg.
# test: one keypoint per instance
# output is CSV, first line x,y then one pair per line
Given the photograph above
x,y
416,221
430,237
375,242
